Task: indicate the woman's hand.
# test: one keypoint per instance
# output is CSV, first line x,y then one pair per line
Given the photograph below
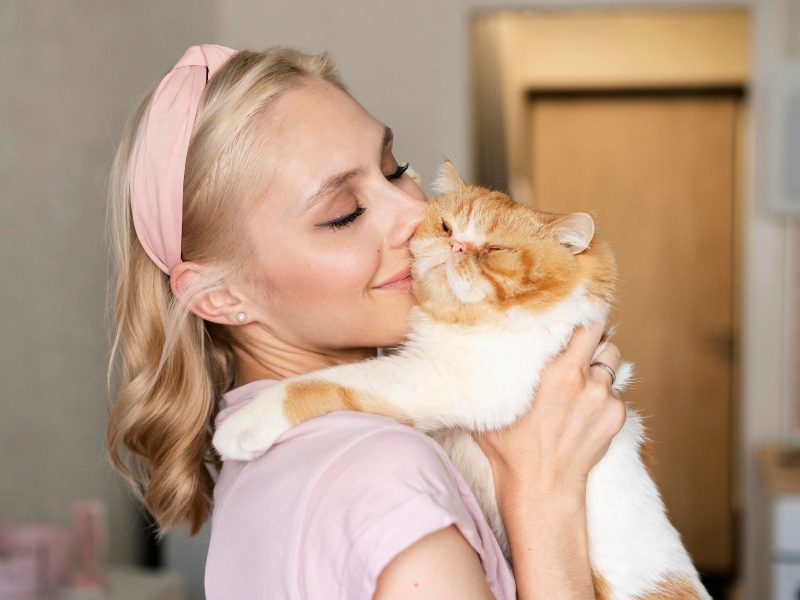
x,y
541,464
572,420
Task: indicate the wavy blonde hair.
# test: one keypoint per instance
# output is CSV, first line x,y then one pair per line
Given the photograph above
x,y
174,366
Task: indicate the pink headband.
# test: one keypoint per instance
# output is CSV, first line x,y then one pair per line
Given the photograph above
x,y
158,160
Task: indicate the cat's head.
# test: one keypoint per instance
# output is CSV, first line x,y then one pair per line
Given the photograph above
x,y
479,253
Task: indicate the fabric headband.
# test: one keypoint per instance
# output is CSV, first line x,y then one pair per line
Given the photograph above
x,y
158,160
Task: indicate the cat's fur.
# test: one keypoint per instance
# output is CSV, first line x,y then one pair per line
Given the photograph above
x,y
486,321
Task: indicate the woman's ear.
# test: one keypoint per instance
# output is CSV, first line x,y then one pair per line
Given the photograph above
x,y
218,306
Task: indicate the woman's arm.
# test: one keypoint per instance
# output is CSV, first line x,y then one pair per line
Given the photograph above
x,y
441,565
541,465
546,531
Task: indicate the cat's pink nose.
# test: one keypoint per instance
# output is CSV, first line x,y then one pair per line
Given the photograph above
x,y
456,246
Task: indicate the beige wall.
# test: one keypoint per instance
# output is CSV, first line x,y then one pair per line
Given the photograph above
x,y
70,71
398,59
76,68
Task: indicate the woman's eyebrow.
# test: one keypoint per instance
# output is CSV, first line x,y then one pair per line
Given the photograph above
x,y
334,182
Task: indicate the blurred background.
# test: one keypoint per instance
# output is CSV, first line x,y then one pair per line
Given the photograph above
x,y
677,124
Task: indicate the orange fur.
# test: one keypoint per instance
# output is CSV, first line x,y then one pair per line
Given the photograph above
x,y
672,587
309,398
516,255
602,591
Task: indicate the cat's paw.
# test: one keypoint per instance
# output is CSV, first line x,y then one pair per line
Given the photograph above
x,y
250,431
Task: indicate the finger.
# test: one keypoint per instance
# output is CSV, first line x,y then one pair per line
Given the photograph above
x,y
597,369
609,355
584,342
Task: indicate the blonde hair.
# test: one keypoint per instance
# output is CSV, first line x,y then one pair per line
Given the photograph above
x,y
174,365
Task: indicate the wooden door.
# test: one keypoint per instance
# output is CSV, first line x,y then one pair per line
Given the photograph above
x,y
658,173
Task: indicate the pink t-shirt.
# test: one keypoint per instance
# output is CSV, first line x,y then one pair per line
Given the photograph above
x,y
323,511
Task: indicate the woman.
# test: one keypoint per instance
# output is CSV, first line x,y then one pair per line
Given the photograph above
x,y
258,221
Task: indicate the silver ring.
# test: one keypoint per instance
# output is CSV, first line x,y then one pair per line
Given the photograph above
x,y
607,368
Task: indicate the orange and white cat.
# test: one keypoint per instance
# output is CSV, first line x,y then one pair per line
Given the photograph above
x,y
499,289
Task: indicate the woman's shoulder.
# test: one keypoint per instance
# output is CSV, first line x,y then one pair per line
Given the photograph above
x,y
383,486
368,457
336,498
366,453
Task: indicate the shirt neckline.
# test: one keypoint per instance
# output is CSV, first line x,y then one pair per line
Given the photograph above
x,y
237,397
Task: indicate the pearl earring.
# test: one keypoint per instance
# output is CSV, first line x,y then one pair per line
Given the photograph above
x,y
241,317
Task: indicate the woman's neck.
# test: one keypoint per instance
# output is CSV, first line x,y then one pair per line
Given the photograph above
x,y
262,359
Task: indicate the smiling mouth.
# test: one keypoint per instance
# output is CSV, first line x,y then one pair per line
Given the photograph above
x,y
403,285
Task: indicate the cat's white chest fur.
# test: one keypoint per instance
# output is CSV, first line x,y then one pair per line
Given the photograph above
x,y
488,372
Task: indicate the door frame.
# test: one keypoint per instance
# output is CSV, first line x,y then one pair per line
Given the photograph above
x,y
614,50
583,50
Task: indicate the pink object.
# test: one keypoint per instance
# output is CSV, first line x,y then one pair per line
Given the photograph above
x,y
91,530
158,160
19,577
41,549
330,504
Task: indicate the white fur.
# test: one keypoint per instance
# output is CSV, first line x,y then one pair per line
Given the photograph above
x,y
450,378
244,437
445,182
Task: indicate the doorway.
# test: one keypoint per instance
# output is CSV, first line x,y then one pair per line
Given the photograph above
x,y
635,117
658,172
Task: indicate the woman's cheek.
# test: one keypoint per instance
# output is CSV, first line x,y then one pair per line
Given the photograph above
x,y
360,267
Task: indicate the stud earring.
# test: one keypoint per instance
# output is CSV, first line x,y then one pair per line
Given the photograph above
x,y
241,317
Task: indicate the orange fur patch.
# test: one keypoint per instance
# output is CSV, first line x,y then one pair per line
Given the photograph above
x,y
672,587
602,591
309,398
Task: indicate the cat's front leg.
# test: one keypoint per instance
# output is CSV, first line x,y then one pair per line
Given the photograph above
x,y
252,429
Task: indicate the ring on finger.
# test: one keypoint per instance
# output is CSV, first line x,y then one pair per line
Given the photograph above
x,y
607,368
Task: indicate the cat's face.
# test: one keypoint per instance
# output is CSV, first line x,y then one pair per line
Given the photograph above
x,y
479,253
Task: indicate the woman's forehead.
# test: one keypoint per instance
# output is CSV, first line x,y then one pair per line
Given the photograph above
x,y
313,132
317,112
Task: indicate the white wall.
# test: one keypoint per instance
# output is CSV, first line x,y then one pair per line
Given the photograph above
x,y
397,58
70,73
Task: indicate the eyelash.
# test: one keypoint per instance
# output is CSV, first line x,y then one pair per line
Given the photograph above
x,y
398,172
347,219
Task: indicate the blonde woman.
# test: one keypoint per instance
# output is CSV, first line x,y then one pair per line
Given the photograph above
x,y
260,224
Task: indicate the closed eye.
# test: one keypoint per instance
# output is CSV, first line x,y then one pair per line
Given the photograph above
x,y
345,220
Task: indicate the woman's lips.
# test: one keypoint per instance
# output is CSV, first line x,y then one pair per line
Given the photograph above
x,y
404,285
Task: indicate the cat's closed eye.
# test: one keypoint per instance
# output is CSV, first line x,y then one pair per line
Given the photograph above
x,y
445,226
495,247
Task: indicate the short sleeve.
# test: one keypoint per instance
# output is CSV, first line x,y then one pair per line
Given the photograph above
x,y
374,499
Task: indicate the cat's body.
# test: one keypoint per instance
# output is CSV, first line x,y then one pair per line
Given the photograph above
x,y
467,366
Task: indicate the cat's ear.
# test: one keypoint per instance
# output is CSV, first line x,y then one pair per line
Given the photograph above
x,y
574,230
448,180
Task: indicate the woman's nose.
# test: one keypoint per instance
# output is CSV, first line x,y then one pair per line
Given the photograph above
x,y
409,220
